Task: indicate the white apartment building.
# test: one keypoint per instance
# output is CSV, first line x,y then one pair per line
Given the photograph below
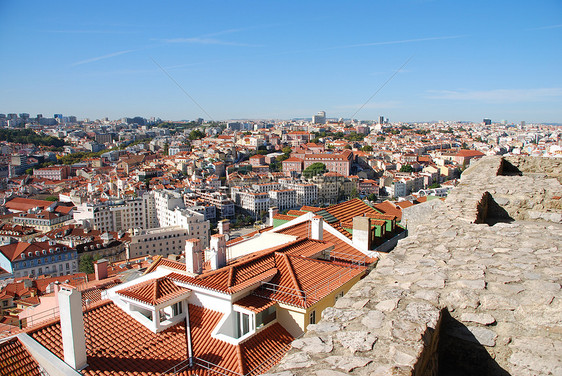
x,y
306,193
266,187
155,209
157,241
170,211
255,203
115,215
283,198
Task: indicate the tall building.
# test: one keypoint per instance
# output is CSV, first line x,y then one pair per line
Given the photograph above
x,y
319,118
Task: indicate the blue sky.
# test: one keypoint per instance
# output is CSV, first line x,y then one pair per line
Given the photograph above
x,y
284,59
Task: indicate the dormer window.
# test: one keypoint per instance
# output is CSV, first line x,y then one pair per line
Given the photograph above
x,y
64,249
37,253
23,255
51,250
44,251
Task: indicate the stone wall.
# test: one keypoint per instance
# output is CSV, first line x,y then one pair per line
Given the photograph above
x,y
457,297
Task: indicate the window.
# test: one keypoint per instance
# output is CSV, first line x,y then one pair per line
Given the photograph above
x,y
339,295
177,309
312,317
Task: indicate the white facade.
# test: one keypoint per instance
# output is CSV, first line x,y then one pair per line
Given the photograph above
x,y
307,194
157,241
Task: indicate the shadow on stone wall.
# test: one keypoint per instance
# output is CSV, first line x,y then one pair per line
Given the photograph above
x,y
508,169
461,354
490,212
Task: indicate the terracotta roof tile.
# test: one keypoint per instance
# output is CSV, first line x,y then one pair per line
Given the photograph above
x,y
254,303
16,360
154,291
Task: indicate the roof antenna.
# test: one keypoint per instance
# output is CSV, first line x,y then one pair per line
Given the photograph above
x,y
181,88
383,85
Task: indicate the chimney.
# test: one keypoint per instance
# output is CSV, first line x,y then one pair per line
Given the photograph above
x,y
272,213
362,233
218,251
100,269
317,227
224,227
72,327
193,256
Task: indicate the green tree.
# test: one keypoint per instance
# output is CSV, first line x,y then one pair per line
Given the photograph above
x,y
51,198
287,150
196,134
406,168
29,171
354,193
166,149
372,197
314,169
367,148
434,185
86,264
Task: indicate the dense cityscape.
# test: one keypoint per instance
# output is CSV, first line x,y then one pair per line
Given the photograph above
x,y
141,216
325,188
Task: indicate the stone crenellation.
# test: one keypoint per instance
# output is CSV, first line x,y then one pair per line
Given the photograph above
x,y
474,290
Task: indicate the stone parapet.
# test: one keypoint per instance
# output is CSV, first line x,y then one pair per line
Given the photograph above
x,y
474,290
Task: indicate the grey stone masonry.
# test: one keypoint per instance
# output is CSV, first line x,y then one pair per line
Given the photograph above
x,y
475,289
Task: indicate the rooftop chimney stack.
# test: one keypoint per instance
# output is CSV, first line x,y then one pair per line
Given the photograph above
x,y
224,227
317,227
218,251
72,327
362,233
193,256
100,269
272,213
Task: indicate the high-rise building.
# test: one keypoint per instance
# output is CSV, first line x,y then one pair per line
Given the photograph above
x,y
319,118
487,121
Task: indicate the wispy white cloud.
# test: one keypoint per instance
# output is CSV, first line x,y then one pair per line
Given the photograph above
x,y
205,40
498,95
209,38
401,41
89,32
103,57
547,27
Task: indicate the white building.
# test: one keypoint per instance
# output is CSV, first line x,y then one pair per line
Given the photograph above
x,y
157,241
283,198
306,193
115,215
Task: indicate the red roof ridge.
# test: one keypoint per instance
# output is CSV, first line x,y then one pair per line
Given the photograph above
x,y
291,271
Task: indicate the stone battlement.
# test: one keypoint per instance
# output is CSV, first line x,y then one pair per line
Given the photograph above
x,y
474,290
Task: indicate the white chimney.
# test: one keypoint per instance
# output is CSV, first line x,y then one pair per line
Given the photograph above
x,y
193,256
272,213
72,327
362,233
218,251
317,227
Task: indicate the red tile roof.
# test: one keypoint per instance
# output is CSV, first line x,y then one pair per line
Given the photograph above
x,y
120,345
303,282
345,211
154,291
389,208
16,360
342,251
254,303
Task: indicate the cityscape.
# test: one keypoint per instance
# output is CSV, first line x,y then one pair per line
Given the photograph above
x,y
215,195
